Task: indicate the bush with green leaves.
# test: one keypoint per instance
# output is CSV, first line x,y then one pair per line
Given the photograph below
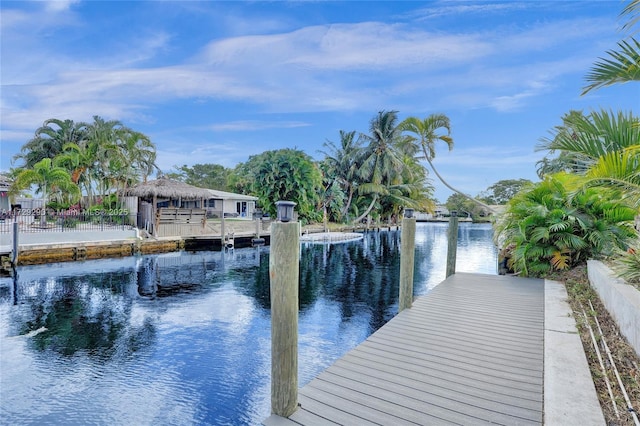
x,y
557,224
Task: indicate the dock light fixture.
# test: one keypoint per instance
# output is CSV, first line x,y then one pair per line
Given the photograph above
x,y
454,213
408,213
285,210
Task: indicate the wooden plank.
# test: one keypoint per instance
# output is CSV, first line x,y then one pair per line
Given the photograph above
x,y
448,406
309,406
376,411
453,377
434,361
497,348
440,385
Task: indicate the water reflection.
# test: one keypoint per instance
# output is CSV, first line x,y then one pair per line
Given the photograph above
x,y
183,338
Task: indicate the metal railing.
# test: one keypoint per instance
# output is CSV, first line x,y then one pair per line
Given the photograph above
x,y
34,220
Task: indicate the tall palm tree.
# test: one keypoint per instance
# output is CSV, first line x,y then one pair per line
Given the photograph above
x,y
80,159
343,165
138,154
47,176
620,66
102,139
427,133
382,158
49,140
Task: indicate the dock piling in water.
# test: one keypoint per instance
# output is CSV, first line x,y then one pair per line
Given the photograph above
x,y
452,247
407,256
284,272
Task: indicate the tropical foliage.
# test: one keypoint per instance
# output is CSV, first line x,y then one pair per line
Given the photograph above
x,y
620,65
100,157
285,174
503,190
212,176
584,139
559,223
50,180
590,212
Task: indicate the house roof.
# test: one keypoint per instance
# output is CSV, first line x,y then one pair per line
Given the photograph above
x,y
163,187
223,195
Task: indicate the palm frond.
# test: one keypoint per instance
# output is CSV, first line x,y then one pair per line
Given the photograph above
x,y
621,66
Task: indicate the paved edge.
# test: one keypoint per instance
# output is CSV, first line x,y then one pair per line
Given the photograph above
x,y
570,396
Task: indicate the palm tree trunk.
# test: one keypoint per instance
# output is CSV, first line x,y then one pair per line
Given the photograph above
x,y
373,202
43,212
480,203
345,209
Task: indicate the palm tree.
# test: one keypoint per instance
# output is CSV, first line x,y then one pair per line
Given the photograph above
x,y
49,140
414,191
620,66
102,139
382,159
138,155
426,135
47,176
80,159
343,165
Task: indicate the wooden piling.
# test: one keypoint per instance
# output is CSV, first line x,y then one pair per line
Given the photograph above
x,y
14,250
452,245
407,255
284,272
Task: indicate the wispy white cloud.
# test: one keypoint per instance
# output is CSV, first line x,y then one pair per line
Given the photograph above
x,y
442,9
59,5
248,125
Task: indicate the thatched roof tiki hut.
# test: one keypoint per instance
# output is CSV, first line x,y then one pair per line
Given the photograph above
x,y
168,207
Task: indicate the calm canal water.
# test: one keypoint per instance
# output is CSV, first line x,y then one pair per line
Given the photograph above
x,y
184,338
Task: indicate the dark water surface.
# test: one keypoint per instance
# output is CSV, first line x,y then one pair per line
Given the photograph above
x,y
184,338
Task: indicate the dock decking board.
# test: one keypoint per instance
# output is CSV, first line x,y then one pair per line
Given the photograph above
x,y
469,352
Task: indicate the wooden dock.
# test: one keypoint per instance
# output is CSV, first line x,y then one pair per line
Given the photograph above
x,y
469,352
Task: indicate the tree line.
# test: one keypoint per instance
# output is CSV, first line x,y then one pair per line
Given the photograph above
x,y
376,173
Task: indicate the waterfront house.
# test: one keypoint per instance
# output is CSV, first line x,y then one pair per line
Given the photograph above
x,y
230,204
167,207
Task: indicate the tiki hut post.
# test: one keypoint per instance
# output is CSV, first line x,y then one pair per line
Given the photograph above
x,y
156,220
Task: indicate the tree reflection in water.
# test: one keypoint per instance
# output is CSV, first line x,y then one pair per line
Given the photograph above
x,y
89,314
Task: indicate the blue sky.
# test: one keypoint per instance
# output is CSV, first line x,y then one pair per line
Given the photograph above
x,y
216,82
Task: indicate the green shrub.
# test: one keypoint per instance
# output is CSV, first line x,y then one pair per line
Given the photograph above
x,y
556,225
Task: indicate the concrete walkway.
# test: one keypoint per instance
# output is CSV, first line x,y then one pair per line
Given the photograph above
x,y
53,238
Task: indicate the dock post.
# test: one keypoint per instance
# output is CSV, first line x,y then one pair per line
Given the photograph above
x,y
452,244
284,273
407,255
14,252
258,225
